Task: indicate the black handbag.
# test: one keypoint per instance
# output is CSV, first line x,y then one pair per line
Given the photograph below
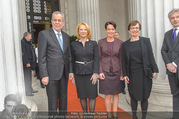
x,y
150,72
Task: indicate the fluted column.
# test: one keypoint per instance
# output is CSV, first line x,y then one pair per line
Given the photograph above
x,y
88,11
153,15
12,26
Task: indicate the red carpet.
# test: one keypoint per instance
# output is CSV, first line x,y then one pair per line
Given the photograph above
x,y
75,106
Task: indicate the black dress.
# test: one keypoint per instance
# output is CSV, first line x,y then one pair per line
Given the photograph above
x,y
139,85
83,73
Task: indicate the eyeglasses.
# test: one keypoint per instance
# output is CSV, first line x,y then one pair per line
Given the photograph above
x,y
133,28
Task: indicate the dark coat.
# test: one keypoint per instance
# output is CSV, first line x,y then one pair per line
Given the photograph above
x,y
139,84
82,54
170,49
147,56
28,55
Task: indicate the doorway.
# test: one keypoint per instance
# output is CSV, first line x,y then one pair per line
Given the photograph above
x,y
37,27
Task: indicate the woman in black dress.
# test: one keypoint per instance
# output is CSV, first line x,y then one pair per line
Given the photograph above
x,y
85,66
137,57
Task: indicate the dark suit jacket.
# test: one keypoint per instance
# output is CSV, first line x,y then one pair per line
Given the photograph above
x,y
87,53
147,55
170,49
52,61
170,53
28,55
105,56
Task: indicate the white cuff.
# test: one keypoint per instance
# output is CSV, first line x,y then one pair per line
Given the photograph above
x,y
174,64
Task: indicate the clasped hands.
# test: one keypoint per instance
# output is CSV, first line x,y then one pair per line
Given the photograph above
x,y
171,67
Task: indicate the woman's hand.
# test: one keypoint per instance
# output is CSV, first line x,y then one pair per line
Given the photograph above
x,y
94,78
121,78
126,78
154,75
101,76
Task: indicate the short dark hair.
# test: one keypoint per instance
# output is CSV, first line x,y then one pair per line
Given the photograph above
x,y
10,97
111,23
117,32
133,23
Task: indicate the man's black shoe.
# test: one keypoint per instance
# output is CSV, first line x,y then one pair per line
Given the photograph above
x,y
30,94
34,91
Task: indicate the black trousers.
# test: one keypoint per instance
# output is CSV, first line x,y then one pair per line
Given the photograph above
x,y
57,96
174,86
28,80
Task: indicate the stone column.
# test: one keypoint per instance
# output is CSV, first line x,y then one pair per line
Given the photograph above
x,y
88,11
153,15
12,26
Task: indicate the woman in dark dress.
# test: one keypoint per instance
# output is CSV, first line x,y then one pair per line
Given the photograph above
x,y
85,60
137,57
110,68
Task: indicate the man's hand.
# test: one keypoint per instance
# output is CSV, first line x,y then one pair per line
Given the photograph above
x,y
72,78
28,65
45,80
172,68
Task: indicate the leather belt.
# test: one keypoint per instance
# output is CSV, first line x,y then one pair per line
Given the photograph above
x,y
85,62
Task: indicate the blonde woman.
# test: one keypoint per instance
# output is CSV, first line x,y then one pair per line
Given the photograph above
x,y
85,66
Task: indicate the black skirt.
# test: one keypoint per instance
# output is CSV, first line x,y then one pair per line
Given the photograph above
x,y
139,85
84,86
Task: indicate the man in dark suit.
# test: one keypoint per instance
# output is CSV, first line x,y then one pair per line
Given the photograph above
x,y
55,66
28,57
170,54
